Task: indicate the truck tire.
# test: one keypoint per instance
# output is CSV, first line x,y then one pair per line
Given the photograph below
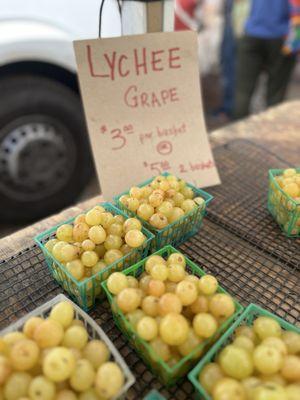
x,y
45,159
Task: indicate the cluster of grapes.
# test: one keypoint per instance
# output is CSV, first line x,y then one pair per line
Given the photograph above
x,y
95,240
163,201
172,310
53,358
289,181
262,363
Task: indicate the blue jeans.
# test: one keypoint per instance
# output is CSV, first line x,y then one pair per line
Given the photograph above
x,y
228,61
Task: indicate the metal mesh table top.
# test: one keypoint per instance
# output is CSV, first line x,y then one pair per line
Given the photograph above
x,y
252,266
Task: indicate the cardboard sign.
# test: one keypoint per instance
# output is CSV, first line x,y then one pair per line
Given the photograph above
x,y
143,108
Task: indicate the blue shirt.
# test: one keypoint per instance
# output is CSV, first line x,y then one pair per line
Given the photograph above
x,y
268,19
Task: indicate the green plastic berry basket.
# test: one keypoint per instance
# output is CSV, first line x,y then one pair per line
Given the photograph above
x,y
246,318
178,231
154,395
86,292
284,209
95,332
168,375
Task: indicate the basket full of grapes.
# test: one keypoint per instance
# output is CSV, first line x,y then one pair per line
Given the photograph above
x,y
58,352
170,311
83,251
284,199
258,358
167,206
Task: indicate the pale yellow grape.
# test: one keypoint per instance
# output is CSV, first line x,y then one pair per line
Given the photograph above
x,y
117,282
269,391
291,368
152,260
65,233
96,352
292,189
76,269
89,258
80,218
275,378
49,333
244,342
150,306
210,375
288,172
158,220
106,219
132,204
88,244
41,388
134,317
56,251
83,376
208,284
144,283
165,208
277,343
161,349
145,211
50,244
5,369
176,258
292,392
176,214
132,282
229,389
188,205
128,299
221,305
250,384
115,229
265,327
24,355
69,253
81,231
178,198
134,238
169,303
173,329
247,331
267,360
187,292
155,199
200,305
90,394
124,199
176,272
132,223
200,202
63,313
93,217
66,394
97,234
191,343
236,362
159,272
156,288
192,278
12,337
125,249
75,336
59,364
205,325
77,353
147,328
164,185
17,386
292,341
112,255
113,242
30,326
109,380
136,192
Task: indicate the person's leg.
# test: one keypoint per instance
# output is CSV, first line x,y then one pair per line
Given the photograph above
x,y
279,69
250,60
228,71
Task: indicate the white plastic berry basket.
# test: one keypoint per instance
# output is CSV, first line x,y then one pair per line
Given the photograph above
x,y
94,331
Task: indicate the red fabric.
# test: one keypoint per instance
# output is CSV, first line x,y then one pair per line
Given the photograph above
x,y
189,7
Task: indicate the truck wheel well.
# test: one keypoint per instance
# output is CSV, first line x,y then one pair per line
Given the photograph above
x,y
44,69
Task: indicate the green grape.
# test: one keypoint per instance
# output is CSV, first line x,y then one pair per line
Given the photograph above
x,y
176,258
210,375
173,329
65,233
56,251
83,376
132,224
75,337
76,269
159,272
30,326
50,244
96,352
115,229
90,394
128,300
177,213
89,258
161,349
17,386
145,211
147,328
292,392
135,238
48,333
169,303
66,394
191,343
269,391
236,362
150,306
93,217
156,288
113,242
69,253
292,341
134,317
5,369
229,389
208,284
174,185
24,355
155,199
291,368
187,192
152,260
244,343
109,380
81,231
205,325
188,205
158,220
112,255
132,204
221,306
265,327
267,360
117,282
41,388
63,313
59,364
187,292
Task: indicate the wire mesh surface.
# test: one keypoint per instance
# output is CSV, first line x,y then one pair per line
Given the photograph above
x,y
244,270
240,203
